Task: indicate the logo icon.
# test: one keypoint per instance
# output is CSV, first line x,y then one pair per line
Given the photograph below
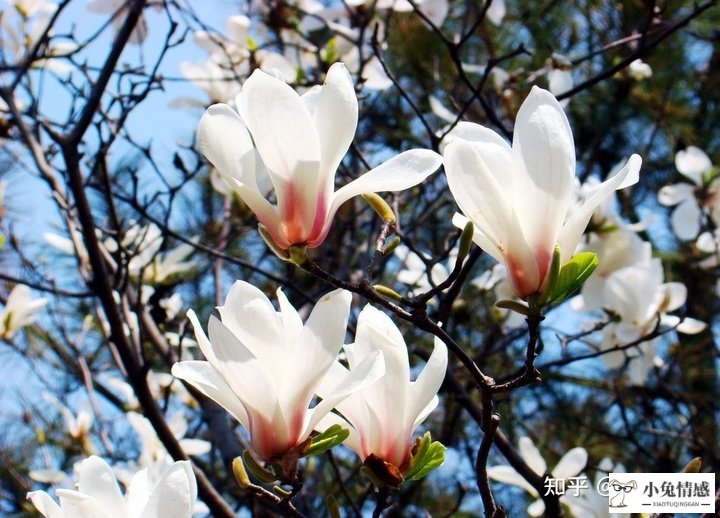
x,y
617,491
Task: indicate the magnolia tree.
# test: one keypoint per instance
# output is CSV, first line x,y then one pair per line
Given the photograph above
x,y
358,258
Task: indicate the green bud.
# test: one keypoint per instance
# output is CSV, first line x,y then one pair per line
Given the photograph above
x,y
238,467
380,206
466,241
387,292
693,466
389,249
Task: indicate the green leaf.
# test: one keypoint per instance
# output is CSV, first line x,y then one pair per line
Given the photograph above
x,y
572,275
326,440
428,456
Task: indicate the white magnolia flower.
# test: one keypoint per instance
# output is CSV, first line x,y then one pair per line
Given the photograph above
x,y
19,311
77,425
640,298
519,197
687,217
570,465
153,452
19,36
144,243
383,416
589,503
300,141
264,366
414,273
639,70
98,494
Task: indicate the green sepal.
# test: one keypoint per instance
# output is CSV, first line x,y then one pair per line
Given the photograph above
x,y
426,456
257,470
2,240
572,275
552,278
279,252
298,255
330,438
513,305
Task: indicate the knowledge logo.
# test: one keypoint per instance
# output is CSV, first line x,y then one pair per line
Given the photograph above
x,y
659,492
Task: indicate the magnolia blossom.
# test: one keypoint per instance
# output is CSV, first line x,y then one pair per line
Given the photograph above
x,y
98,494
414,272
18,37
264,366
519,197
19,311
153,451
570,465
640,298
146,261
639,70
383,416
299,142
686,218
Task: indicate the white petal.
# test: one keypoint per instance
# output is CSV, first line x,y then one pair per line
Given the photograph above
x,y
226,143
685,219
671,195
97,479
368,372
402,171
281,125
692,162
531,455
543,140
496,11
572,463
482,192
175,493
336,116
537,508
45,504
207,380
675,295
425,387
508,475
576,223
691,326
